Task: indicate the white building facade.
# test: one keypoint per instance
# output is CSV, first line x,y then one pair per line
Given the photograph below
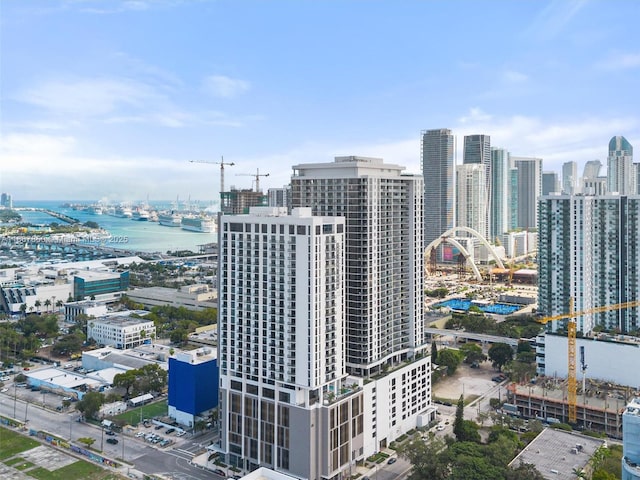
x,y
588,251
120,332
471,197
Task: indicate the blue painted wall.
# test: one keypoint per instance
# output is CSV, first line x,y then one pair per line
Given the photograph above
x,y
193,388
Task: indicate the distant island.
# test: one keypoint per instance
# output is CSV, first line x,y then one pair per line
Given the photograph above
x,y
10,216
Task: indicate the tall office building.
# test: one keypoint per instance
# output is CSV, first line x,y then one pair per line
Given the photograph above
x,y
631,441
588,251
569,178
438,170
592,169
550,183
384,220
471,205
279,197
513,199
499,205
529,190
620,172
477,150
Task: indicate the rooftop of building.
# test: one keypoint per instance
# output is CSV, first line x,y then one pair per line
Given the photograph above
x,y
197,356
135,357
92,275
633,408
557,454
123,319
600,395
65,378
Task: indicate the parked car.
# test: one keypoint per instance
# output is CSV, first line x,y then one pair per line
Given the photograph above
x,y
392,460
219,472
112,441
181,433
159,427
170,430
139,434
110,433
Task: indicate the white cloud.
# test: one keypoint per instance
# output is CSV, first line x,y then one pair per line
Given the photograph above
x,y
475,115
511,76
553,18
87,97
225,87
621,61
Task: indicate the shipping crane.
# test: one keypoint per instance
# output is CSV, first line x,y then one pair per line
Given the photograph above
x,y
572,391
222,163
257,176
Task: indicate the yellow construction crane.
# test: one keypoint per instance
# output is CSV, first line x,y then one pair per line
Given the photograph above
x,y
257,176
572,390
222,163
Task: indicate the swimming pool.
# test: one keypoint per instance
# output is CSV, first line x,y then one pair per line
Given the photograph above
x,y
464,305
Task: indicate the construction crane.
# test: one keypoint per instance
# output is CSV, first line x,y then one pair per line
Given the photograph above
x,y
257,176
222,163
572,390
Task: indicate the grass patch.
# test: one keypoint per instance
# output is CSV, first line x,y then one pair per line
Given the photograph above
x,y
24,465
132,417
79,470
12,443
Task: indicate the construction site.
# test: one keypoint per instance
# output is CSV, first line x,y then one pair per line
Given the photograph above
x,y
599,406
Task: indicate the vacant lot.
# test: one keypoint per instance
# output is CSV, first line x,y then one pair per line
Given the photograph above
x,y
12,443
132,417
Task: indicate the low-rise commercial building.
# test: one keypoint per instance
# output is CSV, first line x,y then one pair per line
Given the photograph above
x,y
193,297
631,441
121,331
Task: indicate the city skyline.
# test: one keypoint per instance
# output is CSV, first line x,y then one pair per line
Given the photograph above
x,y
123,94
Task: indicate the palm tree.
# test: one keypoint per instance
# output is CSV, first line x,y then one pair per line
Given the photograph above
x,y
59,303
47,304
23,309
37,304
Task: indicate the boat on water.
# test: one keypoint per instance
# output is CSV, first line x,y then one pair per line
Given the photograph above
x,y
141,215
123,212
194,223
95,209
169,219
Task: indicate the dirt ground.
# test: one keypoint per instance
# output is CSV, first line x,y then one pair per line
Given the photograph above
x,y
467,381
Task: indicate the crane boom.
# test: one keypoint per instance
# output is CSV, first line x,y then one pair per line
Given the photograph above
x,y
222,163
257,176
571,315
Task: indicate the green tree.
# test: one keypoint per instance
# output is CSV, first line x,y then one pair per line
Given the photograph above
x,y
457,423
37,304
500,354
178,336
47,304
23,309
524,471
90,404
125,380
472,353
450,359
88,441
427,459
434,352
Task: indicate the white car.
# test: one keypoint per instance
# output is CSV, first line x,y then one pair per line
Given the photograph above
x,y
4,390
139,434
440,427
180,433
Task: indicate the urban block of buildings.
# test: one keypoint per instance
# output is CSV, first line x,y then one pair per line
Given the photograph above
x,y
323,359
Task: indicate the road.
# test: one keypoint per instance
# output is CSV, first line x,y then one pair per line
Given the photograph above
x,y
174,461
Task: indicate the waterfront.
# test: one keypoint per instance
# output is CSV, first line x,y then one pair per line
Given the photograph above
x,y
126,234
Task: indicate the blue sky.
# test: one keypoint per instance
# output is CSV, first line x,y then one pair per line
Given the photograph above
x,y
112,99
